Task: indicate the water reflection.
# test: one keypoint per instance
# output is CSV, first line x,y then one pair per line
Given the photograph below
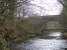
x,y
45,44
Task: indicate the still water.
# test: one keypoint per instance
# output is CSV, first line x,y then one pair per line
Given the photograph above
x,y
45,44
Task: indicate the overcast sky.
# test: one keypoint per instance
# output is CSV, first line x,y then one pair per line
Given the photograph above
x,y
42,8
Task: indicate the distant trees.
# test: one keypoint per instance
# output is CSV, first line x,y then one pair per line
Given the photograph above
x,y
64,13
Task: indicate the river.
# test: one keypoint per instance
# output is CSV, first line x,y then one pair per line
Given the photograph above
x,y
45,44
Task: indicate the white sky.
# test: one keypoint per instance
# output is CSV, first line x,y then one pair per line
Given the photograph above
x,y
43,7
50,7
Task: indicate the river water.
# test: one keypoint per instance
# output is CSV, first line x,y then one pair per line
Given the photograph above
x,y
44,44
